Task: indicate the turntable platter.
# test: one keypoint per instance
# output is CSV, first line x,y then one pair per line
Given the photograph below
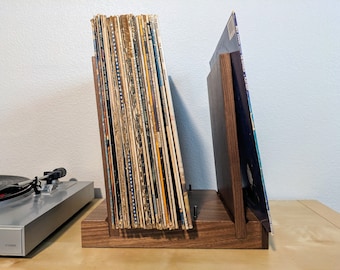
x,y
8,180
13,186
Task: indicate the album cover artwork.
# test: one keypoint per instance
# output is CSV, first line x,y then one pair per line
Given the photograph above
x,y
250,164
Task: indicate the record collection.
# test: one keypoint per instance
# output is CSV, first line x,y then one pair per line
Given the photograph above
x,y
145,181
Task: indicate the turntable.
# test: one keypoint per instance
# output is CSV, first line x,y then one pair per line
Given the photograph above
x,y
31,209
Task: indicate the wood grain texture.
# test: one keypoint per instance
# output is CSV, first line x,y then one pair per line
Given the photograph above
x,y
225,142
304,239
100,125
213,228
322,210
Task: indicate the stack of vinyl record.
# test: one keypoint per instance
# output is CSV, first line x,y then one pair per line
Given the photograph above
x,y
143,167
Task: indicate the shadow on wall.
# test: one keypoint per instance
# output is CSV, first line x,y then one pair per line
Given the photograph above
x,y
190,143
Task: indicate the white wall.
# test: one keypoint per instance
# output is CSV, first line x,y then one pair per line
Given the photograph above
x,y
48,115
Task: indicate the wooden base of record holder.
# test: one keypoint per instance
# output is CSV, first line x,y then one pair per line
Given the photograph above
x,y
213,229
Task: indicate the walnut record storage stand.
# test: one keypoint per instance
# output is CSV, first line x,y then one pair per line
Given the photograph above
x,y
220,219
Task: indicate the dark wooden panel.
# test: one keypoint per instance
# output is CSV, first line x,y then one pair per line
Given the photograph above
x,y
213,228
225,143
101,132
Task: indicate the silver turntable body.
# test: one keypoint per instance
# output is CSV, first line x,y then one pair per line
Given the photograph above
x,y
28,219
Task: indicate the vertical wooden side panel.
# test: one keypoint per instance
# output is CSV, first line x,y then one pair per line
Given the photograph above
x,y
225,143
101,133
